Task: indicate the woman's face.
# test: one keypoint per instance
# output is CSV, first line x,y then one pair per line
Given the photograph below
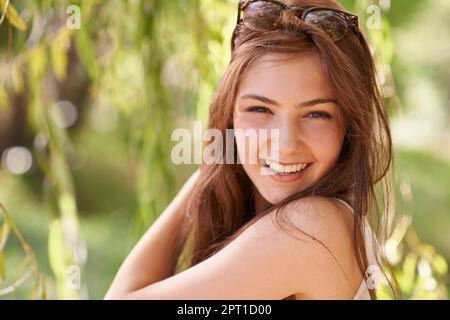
x,y
296,97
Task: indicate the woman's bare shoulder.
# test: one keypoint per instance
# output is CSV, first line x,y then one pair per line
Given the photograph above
x,y
322,217
329,225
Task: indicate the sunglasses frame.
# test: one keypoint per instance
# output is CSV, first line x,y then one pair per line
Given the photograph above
x,y
352,20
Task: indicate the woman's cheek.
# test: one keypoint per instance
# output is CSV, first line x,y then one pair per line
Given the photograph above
x,y
325,140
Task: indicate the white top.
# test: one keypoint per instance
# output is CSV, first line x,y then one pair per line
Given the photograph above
x,y
370,241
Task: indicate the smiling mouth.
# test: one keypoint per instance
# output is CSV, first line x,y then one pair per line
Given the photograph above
x,y
280,169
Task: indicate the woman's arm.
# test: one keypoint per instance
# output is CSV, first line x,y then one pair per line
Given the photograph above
x,y
149,261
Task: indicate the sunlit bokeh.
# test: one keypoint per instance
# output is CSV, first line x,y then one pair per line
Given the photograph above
x,y
17,160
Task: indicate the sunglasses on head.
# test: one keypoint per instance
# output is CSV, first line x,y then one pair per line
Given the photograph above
x,y
263,15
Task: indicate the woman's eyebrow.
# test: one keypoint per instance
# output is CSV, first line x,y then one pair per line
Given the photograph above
x,y
309,103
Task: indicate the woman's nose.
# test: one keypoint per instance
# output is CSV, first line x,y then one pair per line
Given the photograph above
x,y
291,142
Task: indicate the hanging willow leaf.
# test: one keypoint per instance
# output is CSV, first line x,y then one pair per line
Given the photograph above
x,y
58,52
4,232
34,290
29,261
13,17
37,63
2,267
38,291
4,100
17,79
86,52
56,249
439,264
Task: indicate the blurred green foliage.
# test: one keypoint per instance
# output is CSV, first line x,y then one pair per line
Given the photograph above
x,y
136,70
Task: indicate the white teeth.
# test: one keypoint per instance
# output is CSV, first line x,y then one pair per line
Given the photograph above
x,y
284,169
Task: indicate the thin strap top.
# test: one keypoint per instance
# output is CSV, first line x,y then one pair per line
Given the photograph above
x,y
372,254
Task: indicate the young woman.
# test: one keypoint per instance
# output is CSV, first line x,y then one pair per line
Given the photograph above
x,y
295,226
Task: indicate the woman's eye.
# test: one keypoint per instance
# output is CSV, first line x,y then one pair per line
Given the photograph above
x,y
259,109
319,115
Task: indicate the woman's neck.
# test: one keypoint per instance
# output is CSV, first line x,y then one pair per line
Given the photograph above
x,y
261,204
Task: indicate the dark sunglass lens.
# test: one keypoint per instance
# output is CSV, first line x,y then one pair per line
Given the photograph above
x,y
331,22
262,15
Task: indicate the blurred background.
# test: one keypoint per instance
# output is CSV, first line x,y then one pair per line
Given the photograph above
x,y
90,92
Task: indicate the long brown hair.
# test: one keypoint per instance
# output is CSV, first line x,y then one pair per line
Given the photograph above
x,y
221,205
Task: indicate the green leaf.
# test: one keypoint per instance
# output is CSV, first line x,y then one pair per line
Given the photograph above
x,y
4,100
86,52
58,52
13,17
2,268
439,265
56,248
43,295
37,63
4,231
38,289
33,291
17,80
